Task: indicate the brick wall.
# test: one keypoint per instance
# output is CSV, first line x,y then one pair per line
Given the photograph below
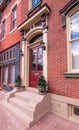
x,y
57,54
13,37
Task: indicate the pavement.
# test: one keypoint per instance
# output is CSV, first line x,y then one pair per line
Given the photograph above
x,y
50,122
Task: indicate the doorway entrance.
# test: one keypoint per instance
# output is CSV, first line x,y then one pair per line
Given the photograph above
x,y
36,65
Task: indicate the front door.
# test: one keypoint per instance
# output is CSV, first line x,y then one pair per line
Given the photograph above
x,y
36,65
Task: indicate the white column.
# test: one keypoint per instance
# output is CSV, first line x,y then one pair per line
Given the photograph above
x,y
45,54
23,75
26,66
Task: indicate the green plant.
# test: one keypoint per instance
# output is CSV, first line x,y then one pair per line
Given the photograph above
x,y
42,84
18,81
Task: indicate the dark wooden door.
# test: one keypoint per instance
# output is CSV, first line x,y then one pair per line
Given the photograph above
x,y
36,65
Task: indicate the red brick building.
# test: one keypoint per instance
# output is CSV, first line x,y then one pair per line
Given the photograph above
x,y
47,32
10,17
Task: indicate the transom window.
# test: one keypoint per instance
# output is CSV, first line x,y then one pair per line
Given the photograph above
x,y
73,45
35,2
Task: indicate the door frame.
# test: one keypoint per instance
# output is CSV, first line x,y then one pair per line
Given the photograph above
x,y
26,47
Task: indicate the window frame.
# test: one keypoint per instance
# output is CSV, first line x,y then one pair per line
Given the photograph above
x,y
30,5
34,3
3,28
69,40
14,25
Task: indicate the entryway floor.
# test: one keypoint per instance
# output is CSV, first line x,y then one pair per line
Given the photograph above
x,y
50,122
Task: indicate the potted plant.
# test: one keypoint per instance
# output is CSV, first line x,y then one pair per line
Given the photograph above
x,y
18,81
42,84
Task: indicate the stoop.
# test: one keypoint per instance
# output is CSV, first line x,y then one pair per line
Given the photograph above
x,y
28,106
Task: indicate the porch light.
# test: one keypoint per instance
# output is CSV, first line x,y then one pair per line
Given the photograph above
x,y
43,19
43,45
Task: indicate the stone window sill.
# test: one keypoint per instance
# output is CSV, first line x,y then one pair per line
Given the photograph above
x,y
71,75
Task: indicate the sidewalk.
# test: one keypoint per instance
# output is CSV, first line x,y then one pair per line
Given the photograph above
x,y
50,122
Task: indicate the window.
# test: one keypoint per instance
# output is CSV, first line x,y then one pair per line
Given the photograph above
x,y
7,55
14,52
35,2
3,29
6,75
14,17
10,54
12,74
2,57
75,111
73,41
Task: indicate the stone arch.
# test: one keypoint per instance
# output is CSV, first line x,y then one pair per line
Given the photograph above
x,y
34,32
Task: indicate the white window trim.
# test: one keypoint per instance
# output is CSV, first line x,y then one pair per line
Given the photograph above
x,y
12,8
13,30
30,4
69,62
4,18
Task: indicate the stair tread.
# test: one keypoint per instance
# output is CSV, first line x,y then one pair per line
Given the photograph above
x,y
30,95
33,90
21,103
18,112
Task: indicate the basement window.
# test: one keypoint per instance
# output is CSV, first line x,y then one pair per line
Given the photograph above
x,y
76,111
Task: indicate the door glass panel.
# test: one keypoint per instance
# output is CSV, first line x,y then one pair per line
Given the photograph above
x,y
40,59
34,57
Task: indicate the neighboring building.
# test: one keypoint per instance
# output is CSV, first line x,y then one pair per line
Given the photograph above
x,y
10,17
49,40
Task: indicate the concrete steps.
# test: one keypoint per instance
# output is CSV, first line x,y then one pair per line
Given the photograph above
x,y
28,106
23,106
26,120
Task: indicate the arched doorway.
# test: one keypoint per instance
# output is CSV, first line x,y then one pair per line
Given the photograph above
x,y
35,60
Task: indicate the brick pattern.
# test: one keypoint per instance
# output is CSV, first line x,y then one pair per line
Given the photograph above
x,y
57,54
13,36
